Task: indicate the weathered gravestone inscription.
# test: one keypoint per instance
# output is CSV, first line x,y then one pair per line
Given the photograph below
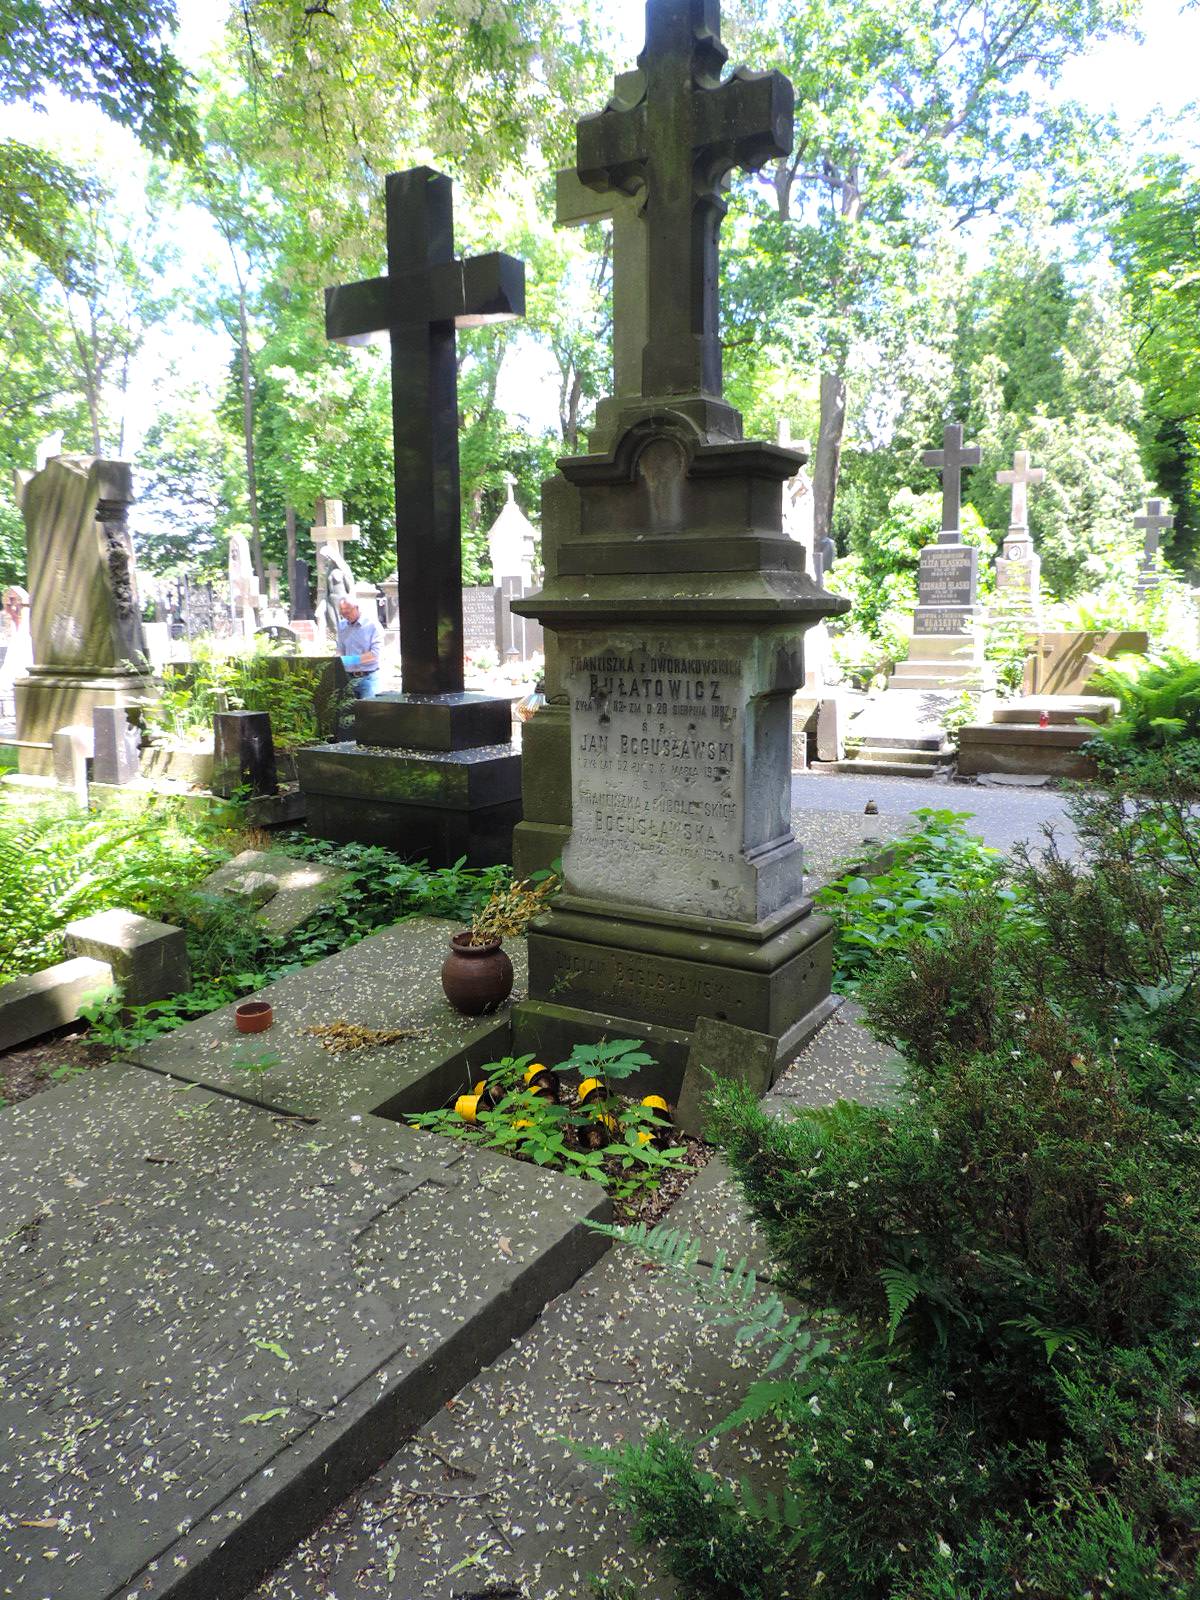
x,y
679,604
479,618
88,644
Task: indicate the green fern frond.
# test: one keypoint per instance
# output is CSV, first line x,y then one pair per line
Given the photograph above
x,y
902,1289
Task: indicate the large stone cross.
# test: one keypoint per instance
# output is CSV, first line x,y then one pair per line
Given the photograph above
x,y
417,306
674,129
951,459
1155,520
1020,477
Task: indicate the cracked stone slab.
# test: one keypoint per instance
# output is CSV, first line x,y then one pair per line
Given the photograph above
x,y
492,1495
215,1320
304,887
390,980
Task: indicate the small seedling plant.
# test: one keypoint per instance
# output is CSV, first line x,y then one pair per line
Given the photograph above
x,y
605,1137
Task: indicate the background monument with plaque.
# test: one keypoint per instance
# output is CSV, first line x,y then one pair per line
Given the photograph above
x,y
945,653
678,607
1019,567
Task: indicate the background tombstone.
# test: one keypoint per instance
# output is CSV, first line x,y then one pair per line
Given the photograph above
x,y
301,596
117,744
479,619
512,544
1154,521
335,581
946,649
244,597
1019,567
88,644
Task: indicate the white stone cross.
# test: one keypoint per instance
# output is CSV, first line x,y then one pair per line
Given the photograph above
x,y
328,526
1154,520
1021,475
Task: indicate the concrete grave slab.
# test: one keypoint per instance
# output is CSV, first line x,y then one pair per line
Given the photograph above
x,y
213,1321
391,980
492,1480
304,886
844,1061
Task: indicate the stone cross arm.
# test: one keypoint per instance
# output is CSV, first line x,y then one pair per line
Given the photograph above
x,y
1155,516
742,122
466,294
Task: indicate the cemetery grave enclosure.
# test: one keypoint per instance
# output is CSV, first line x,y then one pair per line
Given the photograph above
x,y
233,1278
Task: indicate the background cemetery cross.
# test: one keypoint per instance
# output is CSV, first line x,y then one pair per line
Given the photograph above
x,y
678,138
335,580
1156,519
424,297
951,459
1020,477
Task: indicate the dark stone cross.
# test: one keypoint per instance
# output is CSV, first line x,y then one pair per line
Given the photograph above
x,y
1154,520
951,459
425,296
674,129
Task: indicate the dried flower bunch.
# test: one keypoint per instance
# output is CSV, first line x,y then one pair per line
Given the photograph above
x,y
509,910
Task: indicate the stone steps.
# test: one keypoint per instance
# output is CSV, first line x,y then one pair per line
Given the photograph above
x,y
887,763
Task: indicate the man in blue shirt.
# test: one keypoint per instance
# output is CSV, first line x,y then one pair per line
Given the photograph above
x,y
358,644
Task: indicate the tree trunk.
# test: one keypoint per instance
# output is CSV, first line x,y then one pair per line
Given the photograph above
x,y
248,435
828,459
289,517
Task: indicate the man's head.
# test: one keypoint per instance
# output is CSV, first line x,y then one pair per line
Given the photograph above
x,y
348,610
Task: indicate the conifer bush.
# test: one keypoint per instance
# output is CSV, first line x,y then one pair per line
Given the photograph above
x,y
1012,1247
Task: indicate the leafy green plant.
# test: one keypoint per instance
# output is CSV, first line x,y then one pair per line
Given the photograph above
x,y
257,678
59,863
1160,700
1013,1247
617,1144
923,875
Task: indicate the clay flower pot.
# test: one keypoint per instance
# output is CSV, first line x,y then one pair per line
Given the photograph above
x,y
476,977
253,1016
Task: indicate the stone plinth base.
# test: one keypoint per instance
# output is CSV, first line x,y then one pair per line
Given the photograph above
x,y
587,959
433,721
902,734
1015,744
943,652
47,701
436,805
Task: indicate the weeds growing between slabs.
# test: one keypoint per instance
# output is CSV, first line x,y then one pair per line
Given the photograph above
x,y
1007,1259
151,862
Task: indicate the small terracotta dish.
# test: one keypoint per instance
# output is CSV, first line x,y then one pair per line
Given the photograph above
x,y
253,1016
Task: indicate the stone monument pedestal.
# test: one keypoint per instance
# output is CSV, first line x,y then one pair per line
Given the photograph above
x,y
89,649
49,699
431,776
683,881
